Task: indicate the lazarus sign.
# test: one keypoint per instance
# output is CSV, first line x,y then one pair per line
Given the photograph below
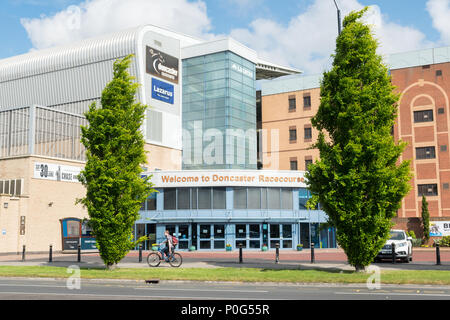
x,y
162,91
162,65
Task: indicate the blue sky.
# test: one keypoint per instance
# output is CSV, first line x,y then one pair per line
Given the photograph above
x,y
297,33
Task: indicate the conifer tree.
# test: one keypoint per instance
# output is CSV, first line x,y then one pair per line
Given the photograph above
x,y
357,180
112,175
425,219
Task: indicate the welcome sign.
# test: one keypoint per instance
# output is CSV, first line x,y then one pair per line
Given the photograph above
x,y
162,91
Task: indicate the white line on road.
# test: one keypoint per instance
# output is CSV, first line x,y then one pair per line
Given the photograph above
x,y
397,294
203,290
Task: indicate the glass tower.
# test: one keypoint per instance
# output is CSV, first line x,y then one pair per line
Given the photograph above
x,y
219,112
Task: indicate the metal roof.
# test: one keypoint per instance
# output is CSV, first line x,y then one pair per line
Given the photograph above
x,y
268,70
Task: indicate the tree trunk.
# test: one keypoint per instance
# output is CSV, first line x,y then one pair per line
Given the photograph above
x,y
111,266
359,268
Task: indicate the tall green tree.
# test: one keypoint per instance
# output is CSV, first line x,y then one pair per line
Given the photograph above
x,y
357,180
115,153
425,219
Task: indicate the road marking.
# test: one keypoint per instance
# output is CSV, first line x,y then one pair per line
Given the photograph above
x,y
397,294
203,290
122,296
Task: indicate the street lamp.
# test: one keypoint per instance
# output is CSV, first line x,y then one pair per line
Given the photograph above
x,y
339,17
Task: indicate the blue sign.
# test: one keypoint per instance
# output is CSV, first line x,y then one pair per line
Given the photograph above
x,y
162,91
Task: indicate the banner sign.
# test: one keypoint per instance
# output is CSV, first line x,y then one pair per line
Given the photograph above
x,y
55,172
439,228
240,178
162,65
162,91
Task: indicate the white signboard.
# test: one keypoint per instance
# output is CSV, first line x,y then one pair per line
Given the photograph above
x,y
240,178
439,228
56,172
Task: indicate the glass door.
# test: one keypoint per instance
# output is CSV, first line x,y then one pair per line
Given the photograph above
x,y
183,236
255,236
274,235
219,236
205,236
286,239
241,235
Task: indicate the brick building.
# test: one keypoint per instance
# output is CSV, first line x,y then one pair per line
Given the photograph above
x,y
422,79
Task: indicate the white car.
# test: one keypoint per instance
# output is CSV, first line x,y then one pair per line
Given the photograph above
x,y
403,247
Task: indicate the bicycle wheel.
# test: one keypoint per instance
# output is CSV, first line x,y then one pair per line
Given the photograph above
x,y
153,259
176,261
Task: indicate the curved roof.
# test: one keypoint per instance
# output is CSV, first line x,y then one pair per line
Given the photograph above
x,y
87,51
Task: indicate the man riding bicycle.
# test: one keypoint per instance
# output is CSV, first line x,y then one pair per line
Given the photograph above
x,y
168,249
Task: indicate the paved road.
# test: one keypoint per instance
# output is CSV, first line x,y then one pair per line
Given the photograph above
x,y
48,289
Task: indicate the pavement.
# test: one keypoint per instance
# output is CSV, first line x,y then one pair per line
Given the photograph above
x,y
325,259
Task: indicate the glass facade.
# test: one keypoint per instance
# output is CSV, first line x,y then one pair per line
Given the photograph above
x,y
219,112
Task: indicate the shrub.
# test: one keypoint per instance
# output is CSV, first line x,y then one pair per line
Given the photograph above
x,y
445,241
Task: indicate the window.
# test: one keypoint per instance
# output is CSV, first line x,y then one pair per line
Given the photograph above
x,y
286,198
443,148
240,198
170,199
423,116
292,104
183,198
425,153
219,198
273,197
427,190
204,198
307,101
254,198
151,202
308,133
292,134
303,195
438,73
441,111
308,161
294,165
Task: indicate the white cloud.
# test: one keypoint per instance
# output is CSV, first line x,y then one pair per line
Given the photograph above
x,y
439,11
305,42
308,40
96,17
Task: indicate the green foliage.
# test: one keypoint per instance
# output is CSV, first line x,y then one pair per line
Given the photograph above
x,y
357,180
425,219
115,152
411,234
445,241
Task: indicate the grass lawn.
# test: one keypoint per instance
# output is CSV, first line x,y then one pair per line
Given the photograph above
x,y
235,274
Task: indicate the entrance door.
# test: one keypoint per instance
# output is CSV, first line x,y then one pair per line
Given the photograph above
x,y
241,235
255,236
205,236
219,236
183,236
281,234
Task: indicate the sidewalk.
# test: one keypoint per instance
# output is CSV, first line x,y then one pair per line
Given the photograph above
x,y
325,259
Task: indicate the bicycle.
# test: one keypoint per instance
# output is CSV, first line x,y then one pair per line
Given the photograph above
x,y
154,258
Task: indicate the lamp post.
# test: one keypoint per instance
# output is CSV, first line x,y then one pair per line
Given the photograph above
x,y
339,17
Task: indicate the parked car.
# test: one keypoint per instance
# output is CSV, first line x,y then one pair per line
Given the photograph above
x,y
403,247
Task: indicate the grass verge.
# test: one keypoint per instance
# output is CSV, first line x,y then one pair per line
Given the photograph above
x,y
235,274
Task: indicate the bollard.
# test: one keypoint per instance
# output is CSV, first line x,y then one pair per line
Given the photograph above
x,y
393,252
277,253
240,252
312,253
79,253
140,252
438,255
23,253
50,254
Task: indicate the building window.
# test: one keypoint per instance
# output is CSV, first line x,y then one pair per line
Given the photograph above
x,y
308,133
170,199
183,198
443,148
307,163
427,190
423,116
438,73
204,198
307,101
425,153
273,198
292,134
151,202
254,198
292,104
240,198
441,111
294,165
286,199
219,198
445,186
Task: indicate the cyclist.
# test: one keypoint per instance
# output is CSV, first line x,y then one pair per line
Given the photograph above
x,y
168,249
